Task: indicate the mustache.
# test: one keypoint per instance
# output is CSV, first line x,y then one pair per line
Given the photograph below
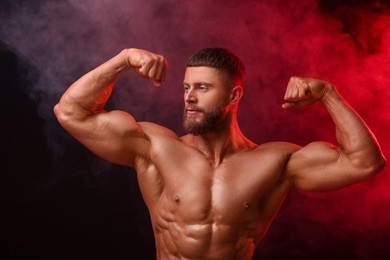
x,y
192,107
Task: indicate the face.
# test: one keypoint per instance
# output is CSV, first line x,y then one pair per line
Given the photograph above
x,y
206,98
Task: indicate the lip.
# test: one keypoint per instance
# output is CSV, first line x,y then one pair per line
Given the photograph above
x,y
192,111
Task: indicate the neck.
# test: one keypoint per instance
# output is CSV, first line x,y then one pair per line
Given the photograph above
x,y
217,145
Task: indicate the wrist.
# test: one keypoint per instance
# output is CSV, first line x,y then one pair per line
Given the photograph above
x,y
125,56
330,95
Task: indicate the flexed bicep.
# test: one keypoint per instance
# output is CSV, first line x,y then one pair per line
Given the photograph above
x,y
321,166
114,136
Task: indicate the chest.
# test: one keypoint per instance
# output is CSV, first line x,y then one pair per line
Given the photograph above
x,y
195,191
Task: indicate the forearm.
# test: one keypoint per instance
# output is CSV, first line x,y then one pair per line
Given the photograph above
x,y
89,94
355,139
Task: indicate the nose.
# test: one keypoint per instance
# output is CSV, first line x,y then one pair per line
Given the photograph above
x,y
189,96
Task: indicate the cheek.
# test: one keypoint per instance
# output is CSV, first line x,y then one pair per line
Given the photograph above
x,y
224,100
213,104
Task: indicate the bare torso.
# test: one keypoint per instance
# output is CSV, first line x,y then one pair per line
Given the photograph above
x,y
200,210
214,198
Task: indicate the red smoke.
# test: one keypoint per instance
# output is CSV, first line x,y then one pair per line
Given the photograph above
x,y
349,47
343,42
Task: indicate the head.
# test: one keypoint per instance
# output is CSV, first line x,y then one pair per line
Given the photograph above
x,y
213,87
221,59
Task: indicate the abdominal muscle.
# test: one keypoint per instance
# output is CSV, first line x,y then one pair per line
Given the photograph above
x,y
202,241
181,233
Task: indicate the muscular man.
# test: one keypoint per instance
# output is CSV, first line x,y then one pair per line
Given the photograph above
x,y
212,193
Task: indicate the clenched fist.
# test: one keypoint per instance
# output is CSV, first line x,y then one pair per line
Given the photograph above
x,y
304,91
147,64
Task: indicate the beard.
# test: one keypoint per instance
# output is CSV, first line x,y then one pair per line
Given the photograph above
x,y
212,121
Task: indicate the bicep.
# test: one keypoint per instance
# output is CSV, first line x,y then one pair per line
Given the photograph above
x,y
114,136
321,166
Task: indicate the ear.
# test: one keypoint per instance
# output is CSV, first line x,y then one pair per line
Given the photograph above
x,y
236,94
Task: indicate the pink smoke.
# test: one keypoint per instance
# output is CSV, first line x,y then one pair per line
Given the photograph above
x,y
339,41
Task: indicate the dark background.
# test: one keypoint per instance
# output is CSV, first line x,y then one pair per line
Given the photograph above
x,y
59,201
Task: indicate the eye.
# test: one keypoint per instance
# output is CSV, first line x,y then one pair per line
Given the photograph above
x,y
186,88
202,88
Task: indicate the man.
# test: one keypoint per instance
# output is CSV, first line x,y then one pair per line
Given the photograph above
x,y
212,193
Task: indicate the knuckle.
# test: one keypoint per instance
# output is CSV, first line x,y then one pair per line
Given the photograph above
x,y
148,58
162,60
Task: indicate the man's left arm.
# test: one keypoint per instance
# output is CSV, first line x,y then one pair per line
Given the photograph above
x,y
321,166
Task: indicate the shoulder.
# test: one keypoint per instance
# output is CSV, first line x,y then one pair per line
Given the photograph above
x,y
154,130
273,153
161,143
278,147
277,154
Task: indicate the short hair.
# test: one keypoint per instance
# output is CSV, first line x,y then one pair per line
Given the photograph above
x,y
222,59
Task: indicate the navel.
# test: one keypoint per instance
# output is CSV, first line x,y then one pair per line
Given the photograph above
x,y
246,205
177,199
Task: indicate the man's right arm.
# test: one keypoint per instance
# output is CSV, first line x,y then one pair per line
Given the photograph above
x,y
114,136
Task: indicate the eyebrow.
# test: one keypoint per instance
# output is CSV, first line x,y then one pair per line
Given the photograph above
x,y
199,83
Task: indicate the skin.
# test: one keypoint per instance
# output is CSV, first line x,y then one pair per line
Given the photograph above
x,y
213,195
